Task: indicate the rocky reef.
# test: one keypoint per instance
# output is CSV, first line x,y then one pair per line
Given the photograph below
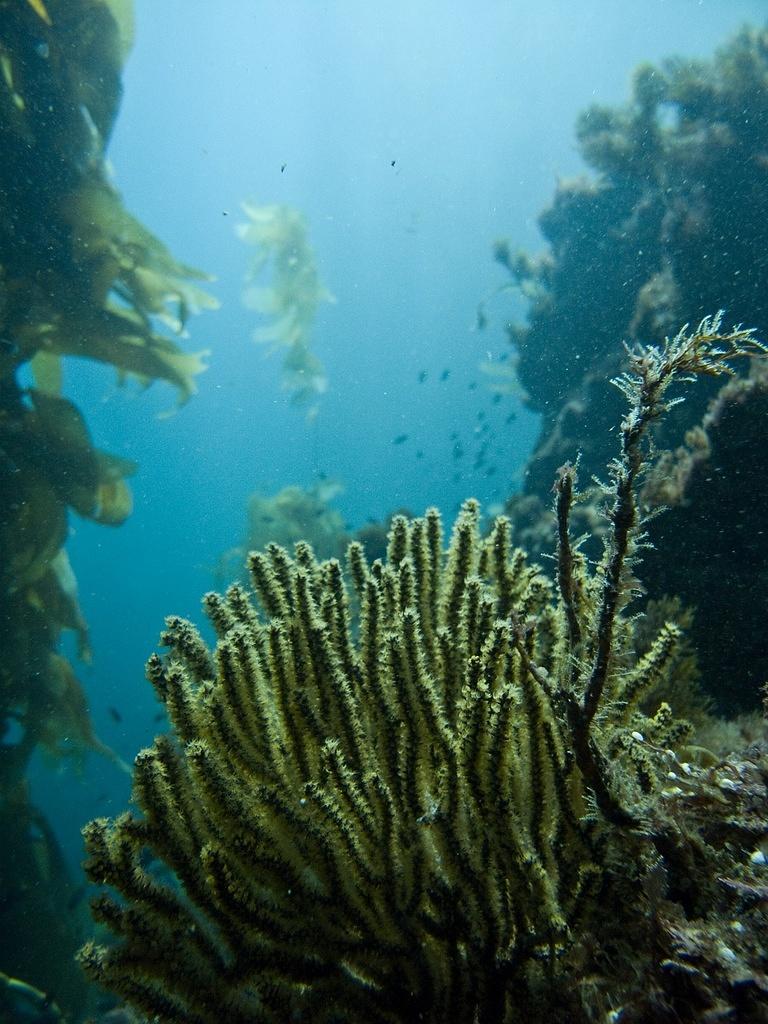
x,y
672,224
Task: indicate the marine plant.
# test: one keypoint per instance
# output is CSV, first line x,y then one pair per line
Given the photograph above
x,y
416,817
292,514
289,298
79,277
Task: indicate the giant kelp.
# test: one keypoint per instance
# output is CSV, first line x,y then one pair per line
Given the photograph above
x,y
418,818
283,286
79,276
671,223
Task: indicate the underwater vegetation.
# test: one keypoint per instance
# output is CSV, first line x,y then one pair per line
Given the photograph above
x,y
452,808
304,514
293,514
79,277
671,224
291,298
502,377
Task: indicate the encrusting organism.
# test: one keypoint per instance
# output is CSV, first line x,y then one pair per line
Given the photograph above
x,y
408,817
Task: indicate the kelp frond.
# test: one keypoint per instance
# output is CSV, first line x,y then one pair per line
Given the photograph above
x,y
291,296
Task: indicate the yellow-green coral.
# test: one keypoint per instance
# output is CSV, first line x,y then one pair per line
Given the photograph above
x,y
409,819
290,299
362,824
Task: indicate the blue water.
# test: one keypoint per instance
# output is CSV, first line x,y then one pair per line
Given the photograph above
x,y
411,135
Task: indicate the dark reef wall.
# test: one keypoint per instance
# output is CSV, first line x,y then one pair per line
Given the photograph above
x,y
716,535
673,226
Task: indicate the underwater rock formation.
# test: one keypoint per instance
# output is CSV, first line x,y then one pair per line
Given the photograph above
x,y
673,224
713,485
425,816
670,228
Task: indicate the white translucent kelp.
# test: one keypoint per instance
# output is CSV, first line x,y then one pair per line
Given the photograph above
x,y
502,376
283,286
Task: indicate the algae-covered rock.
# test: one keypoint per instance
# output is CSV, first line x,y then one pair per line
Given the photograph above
x,y
672,223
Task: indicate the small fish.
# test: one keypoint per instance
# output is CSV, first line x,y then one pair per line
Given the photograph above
x,y
481,415
282,167
419,454
445,374
158,717
8,347
400,439
511,418
504,357
481,321
114,714
472,386
454,436
422,376
491,471
496,399
392,163
458,451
